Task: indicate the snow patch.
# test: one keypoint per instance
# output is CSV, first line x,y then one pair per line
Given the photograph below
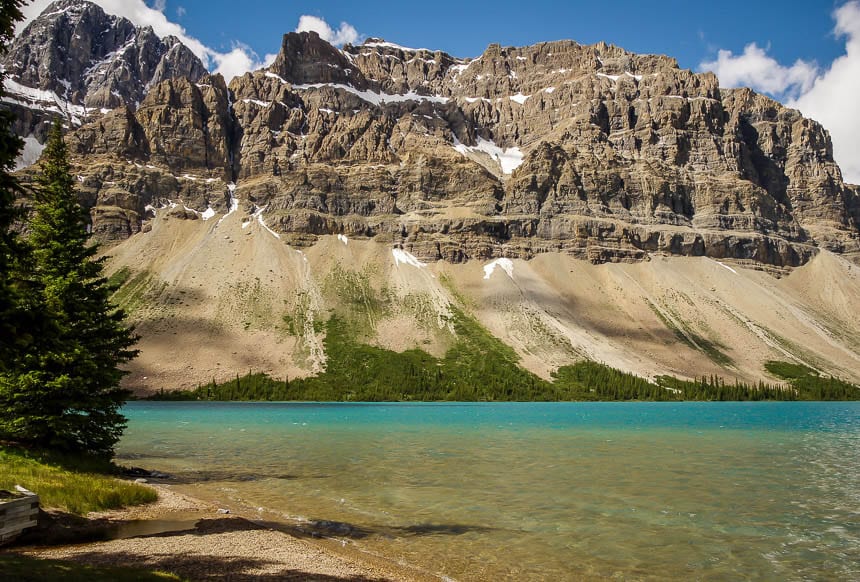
x,y
506,265
272,75
401,256
208,213
30,154
457,69
520,98
376,98
41,100
509,159
234,203
725,266
257,102
258,214
394,46
616,77
549,90
342,238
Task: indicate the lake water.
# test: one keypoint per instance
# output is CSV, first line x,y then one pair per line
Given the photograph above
x,y
561,491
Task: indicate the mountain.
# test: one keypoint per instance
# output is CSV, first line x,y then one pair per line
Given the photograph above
x,y
77,61
576,201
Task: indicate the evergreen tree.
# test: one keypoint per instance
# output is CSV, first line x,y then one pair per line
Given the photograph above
x,y
11,312
67,396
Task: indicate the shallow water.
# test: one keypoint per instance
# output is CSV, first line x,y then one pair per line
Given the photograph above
x,y
537,491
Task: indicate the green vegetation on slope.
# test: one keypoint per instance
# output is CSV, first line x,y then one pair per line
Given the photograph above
x,y
74,486
810,385
477,367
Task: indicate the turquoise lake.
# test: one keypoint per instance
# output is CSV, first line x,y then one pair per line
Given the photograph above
x,y
557,491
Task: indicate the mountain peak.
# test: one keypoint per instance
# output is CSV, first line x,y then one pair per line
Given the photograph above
x,y
305,58
74,60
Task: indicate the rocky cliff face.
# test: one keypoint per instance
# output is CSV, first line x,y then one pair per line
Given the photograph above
x,y
588,150
76,61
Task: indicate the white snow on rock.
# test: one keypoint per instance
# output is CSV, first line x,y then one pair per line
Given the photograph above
x,y
401,256
549,90
394,46
725,266
30,154
616,77
208,213
258,214
506,265
509,159
257,102
342,238
234,202
272,75
457,69
376,98
42,101
520,98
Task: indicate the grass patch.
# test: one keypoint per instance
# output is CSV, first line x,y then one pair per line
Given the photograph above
x,y
74,485
27,569
136,291
119,278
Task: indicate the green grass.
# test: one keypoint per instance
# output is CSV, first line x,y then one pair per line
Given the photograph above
x,y
27,569
119,278
72,485
137,290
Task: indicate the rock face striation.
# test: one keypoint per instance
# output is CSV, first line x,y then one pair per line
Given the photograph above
x,y
587,150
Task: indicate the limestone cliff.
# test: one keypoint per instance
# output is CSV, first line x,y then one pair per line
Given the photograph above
x,y
588,150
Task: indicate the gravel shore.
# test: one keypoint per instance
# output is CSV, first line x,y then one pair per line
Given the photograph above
x,y
214,546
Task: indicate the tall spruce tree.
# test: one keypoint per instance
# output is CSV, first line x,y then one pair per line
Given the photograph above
x,y
67,394
11,314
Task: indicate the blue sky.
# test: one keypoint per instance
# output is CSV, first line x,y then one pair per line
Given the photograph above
x,y
805,53
690,31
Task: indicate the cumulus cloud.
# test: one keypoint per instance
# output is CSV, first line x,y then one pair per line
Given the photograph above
x,y
229,64
754,68
343,35
828,95
832,100
239,61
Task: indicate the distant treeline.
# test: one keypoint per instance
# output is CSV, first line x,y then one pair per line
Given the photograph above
x,y
479,367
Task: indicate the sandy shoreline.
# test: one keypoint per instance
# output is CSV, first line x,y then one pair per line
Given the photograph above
x,y
213,545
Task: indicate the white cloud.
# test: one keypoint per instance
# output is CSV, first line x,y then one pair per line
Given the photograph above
x,y
239,61
829,96
754,68
343,35
160,5
832,100
139,13
181,12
